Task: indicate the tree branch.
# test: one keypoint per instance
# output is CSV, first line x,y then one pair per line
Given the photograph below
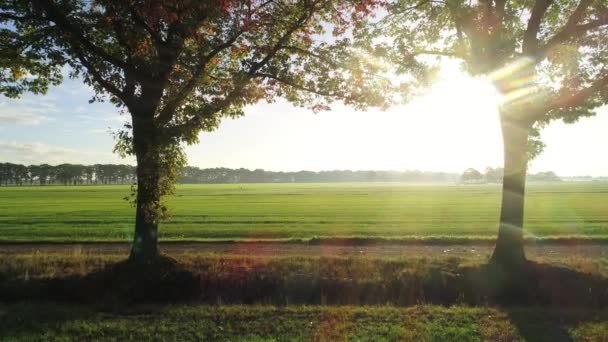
x,y
97,77
572,29
166,113
568,100
299,86
76,35
14,17
530,41
439,53
139,20
578,13
242,81
500,9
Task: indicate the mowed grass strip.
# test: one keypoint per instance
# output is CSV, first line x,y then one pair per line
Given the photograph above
x,y
302,211
44,322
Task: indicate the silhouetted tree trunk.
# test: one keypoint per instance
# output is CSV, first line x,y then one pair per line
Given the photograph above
x,y
509,248
145,243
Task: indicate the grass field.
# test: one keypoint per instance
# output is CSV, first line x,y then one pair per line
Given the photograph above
x,y
302,211
301,292
44,322
268,317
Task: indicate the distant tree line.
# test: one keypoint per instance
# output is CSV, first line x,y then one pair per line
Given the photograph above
x,y
75,174
66,174
225,175
98,174
495,175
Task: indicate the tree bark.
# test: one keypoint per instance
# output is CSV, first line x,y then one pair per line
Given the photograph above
x,y
509,249
145,242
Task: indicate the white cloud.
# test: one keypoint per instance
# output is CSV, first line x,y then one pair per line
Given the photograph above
x,y
21,118
100,130
102,116
27,111
40,153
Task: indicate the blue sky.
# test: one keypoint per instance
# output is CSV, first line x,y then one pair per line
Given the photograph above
x,y
451,128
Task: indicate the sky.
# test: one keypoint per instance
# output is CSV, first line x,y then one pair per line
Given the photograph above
x,y
452,127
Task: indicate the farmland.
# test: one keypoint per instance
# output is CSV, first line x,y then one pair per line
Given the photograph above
x,y
301,211
302,291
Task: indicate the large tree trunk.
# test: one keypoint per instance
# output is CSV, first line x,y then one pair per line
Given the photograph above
x,y
145,242
509,250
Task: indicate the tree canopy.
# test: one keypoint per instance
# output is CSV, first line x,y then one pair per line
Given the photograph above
x,y
548,58
180,66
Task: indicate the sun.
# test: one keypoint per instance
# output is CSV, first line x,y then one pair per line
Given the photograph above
x,y
460,120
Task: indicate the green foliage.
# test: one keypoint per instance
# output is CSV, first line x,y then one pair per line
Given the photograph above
x,y
199,61
180,67
302,211
471,176
172,160
29,61
547,58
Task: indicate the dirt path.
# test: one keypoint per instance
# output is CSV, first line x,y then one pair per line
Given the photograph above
x,y
303,249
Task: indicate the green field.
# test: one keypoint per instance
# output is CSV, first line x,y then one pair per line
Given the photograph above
x,y
44,322
302,211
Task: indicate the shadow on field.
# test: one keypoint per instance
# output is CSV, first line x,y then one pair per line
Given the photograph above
x,y
557,325
50,321
535,326
307,280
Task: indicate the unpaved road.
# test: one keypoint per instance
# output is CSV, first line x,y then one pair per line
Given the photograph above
x,y
304,249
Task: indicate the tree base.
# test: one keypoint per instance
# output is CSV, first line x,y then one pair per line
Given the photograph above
x,y
510,256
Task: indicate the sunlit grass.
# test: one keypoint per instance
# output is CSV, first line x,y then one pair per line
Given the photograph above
x,y
301,211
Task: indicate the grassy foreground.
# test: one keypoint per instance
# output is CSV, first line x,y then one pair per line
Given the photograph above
x,y
275,289
50,321
568,282
302,211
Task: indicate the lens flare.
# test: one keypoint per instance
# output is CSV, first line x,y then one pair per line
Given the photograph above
x,y
517,84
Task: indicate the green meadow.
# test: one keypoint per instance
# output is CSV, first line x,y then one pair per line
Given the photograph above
x,y
44,322
302,211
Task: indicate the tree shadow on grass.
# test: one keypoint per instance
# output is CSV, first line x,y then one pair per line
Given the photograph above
x,y
555,324
540,326
536,284
328,281
158,281
566,297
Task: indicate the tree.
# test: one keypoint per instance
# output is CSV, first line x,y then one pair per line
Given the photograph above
x,y
548,59
178,67
494,175
471,176
548,176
